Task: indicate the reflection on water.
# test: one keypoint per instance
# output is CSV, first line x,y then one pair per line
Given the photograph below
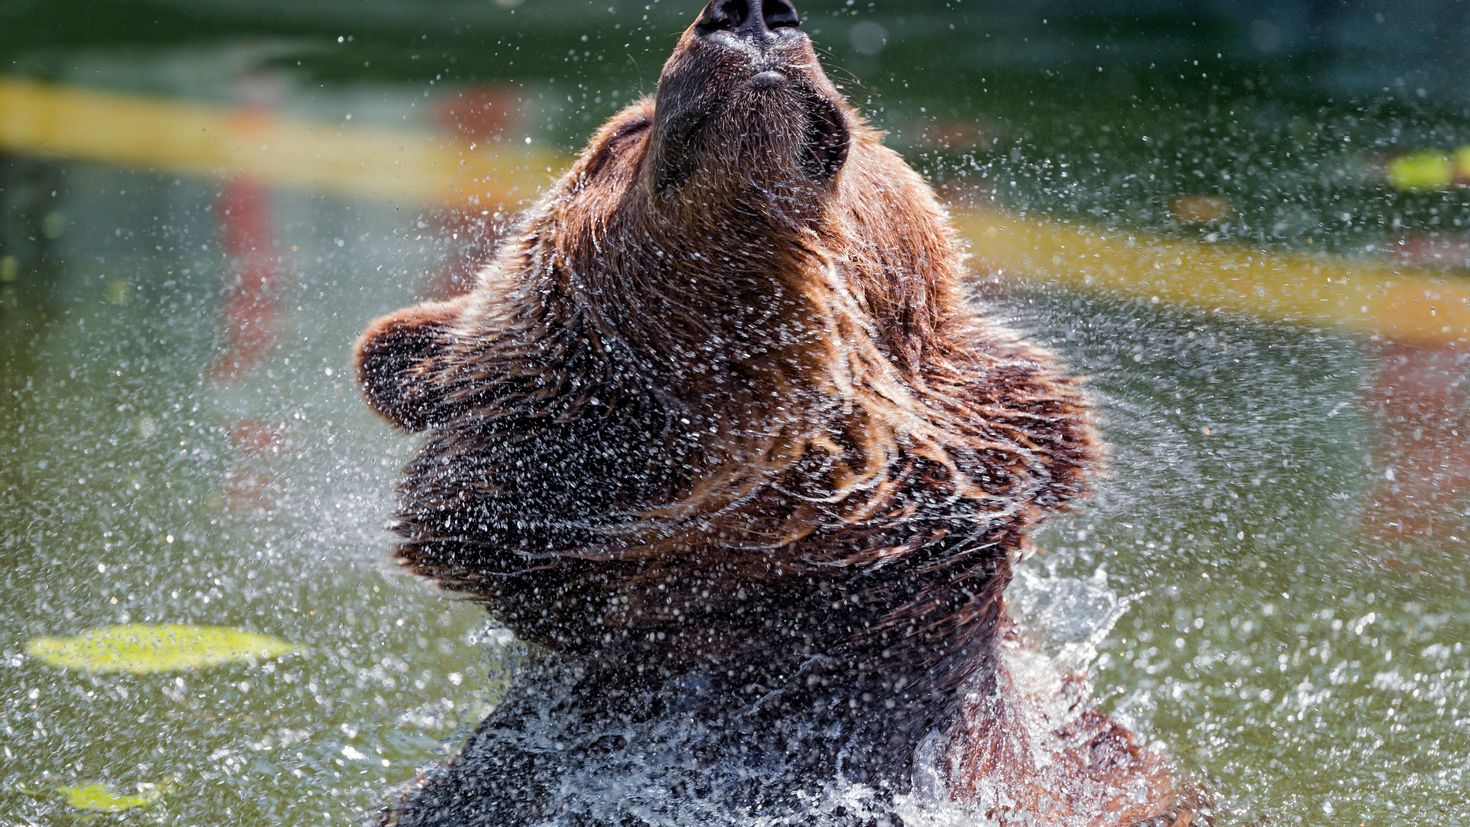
x,y
181,442
143,486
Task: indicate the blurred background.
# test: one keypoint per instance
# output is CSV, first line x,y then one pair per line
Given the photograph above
x,y
1247,222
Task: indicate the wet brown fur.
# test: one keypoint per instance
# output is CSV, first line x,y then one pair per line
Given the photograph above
x,y
722,396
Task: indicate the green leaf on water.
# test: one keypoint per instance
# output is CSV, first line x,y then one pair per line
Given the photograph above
x,y
99,798
141,649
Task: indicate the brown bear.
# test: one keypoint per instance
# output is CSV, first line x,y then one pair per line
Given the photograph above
x,y
719,434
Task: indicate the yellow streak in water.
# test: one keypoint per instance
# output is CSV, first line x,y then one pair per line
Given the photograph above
x,y
405,166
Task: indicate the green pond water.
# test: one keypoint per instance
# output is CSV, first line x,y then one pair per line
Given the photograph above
x,y
1307,665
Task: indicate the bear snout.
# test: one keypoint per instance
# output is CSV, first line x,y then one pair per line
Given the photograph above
x,y
744,99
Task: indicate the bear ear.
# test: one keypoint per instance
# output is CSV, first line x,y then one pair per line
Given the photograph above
x,y
399,359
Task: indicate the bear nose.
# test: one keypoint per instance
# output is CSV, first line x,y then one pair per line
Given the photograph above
x,y
754,20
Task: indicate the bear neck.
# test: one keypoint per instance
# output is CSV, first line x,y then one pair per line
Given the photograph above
x,y
724,301
690,299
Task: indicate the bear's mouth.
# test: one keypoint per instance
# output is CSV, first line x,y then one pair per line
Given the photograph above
x,y
768,79
690,139
826,137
